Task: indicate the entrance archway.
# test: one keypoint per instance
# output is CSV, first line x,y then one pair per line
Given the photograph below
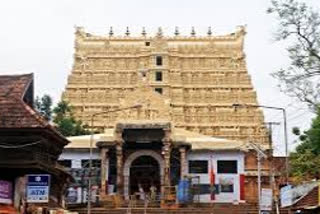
x,y
144,172
139,159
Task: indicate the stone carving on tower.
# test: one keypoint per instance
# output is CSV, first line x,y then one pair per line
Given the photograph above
x,y
153,105
191,81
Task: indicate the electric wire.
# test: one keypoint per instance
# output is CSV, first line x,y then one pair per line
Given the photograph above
x,y
7,146
34,152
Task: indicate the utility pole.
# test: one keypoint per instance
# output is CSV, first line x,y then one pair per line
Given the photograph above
x,y
259,180
270,127
284,127
260,155
272,181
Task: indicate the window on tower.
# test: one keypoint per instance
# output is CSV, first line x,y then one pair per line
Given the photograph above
x,y
159,60
158,76
159,90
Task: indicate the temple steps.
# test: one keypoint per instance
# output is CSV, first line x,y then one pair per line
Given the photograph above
x,y
169,211
216,209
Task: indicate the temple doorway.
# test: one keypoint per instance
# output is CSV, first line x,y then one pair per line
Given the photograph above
x,y
144,173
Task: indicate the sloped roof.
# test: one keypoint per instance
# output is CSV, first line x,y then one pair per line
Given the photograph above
x,y
15,113
196,141
310,199
14,85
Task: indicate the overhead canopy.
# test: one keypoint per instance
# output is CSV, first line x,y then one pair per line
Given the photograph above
x,y
196,141
203,142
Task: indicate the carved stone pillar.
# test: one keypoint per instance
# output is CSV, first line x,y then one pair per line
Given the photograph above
x,y
166,150
104,171
183,162
119,155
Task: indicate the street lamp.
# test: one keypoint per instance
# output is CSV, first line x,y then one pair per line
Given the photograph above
x,y
91,142
260,155
284,127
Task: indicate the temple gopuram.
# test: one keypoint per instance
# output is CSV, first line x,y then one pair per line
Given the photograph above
x,y
164,108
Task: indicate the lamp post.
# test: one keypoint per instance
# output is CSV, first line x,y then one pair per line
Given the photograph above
x,y
91,149
260,155
284,127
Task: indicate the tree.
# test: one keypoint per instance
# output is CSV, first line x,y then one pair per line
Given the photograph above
x,y
62,117
65,121
305,161
61,110
44,106
300,25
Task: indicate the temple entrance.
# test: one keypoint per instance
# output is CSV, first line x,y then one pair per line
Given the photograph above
x,y
144,173
145,166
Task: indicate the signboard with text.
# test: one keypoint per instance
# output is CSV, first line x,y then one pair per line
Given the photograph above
x,y
5,192
38,188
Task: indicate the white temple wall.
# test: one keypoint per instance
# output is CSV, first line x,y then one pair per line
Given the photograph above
x,y
77,156
214,157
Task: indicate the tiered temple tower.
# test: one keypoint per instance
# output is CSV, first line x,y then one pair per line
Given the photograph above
x,y
199,77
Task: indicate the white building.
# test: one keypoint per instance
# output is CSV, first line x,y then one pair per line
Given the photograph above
x,y
143,161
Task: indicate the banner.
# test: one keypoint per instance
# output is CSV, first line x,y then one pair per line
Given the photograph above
x,y
226,184
212,180
5,192
286,196
266,199
38,188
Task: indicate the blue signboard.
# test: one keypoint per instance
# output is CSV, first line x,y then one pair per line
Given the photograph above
x,y
38,188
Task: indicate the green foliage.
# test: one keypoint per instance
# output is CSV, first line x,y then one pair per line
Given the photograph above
x,y
299,25
63,118
61,111
65,121
305,165
43,105
305,161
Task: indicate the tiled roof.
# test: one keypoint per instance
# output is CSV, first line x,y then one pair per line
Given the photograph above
x,y
15,113
14,85
311,199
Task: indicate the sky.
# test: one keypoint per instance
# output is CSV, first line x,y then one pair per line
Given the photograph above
x,y
38,36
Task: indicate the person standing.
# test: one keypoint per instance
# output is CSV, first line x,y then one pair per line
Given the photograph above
x,y
153,192
141,192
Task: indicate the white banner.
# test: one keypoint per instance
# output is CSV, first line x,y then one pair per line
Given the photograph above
x,y
286,196
266,199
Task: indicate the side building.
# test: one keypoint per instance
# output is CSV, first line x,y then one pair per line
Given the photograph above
x,y
164,107
29,145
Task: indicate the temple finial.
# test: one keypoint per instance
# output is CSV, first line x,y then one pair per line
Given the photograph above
x,y
176,32
193,32
79,30
144,33
111,31
209,31
160,33
127,32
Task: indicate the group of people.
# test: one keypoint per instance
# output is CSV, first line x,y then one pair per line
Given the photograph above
x,y
142,194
